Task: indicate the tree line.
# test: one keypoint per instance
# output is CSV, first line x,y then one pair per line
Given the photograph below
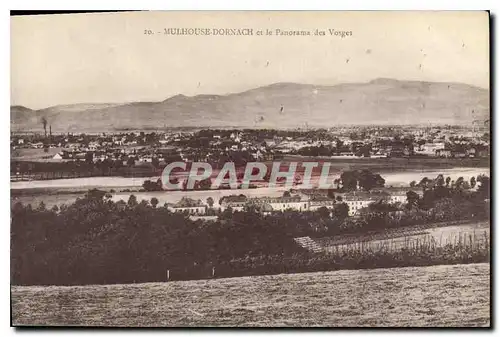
x,y
97,240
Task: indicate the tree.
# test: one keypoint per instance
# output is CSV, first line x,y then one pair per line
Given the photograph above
x,y
427,200
440,180
41,206
448,179
337,182
411,199
132,201
17,208
286,194
380,208
131,161
152,186
154,202
424,183
413,183
472,182
324,212
117,163
227,214
363,151
368,180
341,211
210,202
95,194
89,157
484,186
349,180
459,184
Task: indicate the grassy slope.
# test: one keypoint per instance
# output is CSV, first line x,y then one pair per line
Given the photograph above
x,y
457,295
455,227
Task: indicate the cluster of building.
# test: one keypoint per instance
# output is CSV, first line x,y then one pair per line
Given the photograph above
x,y
374,142
300,201
131,155
263,145
219,147
358,200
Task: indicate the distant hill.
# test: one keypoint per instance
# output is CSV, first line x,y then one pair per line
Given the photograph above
x,y
381,101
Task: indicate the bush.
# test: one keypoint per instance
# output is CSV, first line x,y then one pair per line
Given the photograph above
x,y
96,240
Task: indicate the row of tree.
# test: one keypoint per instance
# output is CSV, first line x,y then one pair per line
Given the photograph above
x,y
459,184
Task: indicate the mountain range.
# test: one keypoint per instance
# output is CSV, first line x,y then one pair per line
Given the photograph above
x,y
280,105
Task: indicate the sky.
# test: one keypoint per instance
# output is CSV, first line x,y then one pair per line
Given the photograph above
x,y
108,58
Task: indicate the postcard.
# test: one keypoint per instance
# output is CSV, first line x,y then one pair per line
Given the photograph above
x,y
251,169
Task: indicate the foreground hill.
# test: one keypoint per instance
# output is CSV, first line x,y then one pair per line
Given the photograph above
x,y
437,296
381,101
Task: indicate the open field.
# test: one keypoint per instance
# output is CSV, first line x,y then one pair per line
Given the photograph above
x,y
48,199
28,154
88,182
437,296
382,165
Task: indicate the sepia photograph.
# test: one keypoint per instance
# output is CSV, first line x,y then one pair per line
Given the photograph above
x,y
250,169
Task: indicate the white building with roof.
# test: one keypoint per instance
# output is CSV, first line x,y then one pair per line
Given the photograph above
x,y
358,200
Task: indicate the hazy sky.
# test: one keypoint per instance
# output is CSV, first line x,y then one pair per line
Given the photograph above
x,y
92,58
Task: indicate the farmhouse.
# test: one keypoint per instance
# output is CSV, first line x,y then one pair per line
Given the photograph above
x,y
234,205
232,200
192,210
235,202
430,149
317,202
398,194
188,206
265,204
38,145
358,200
282,203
